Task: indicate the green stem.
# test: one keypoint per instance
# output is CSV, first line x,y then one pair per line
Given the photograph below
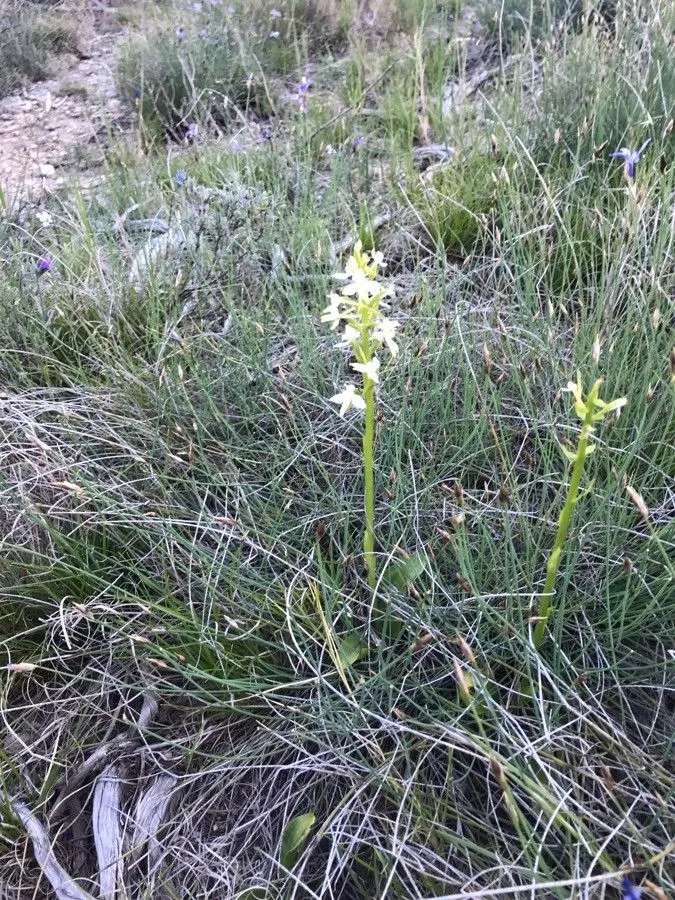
x,y
553,563
369,480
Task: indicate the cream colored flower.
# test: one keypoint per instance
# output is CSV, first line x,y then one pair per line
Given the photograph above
x,y
349,337
353,265
347,398
361,286
385,331
370,369
576,390
333,312
44,218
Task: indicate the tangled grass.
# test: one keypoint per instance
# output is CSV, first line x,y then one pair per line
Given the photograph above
x,y
198,694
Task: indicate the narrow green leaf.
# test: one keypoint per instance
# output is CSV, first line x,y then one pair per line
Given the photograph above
x,y
569,456
351,649
402,574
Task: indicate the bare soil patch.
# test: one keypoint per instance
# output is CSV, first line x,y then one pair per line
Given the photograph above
x,y
57,128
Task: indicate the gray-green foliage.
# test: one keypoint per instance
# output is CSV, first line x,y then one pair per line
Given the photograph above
x,y
182,507
29,38
214,61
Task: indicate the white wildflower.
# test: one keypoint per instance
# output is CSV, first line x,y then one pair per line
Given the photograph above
x,y
44,218
370,369
349,397
385,331
333,312
359,284
349,337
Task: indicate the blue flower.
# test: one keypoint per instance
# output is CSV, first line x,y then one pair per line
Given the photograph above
x,y
303,93
630,157
192,131
628,889
44,264
180,35
358,143
181,177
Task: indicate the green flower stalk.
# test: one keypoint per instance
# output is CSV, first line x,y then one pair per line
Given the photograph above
x,y
590,411
358,309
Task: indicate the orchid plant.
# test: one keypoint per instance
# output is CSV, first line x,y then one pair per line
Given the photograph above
x,y
358,309
591,411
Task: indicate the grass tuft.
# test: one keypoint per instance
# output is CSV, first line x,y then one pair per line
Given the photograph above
x,y
31,36
188,637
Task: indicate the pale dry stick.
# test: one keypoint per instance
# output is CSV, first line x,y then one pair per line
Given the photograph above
x,y
150,811
63,885
107,826
98,757
488,893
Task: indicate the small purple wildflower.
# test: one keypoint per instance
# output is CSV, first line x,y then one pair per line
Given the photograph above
x,y
628,890
44,264
630,157
274,34
266,132
275,14
204,33
197,6
181,177
303,93
180,35
192,131
358,143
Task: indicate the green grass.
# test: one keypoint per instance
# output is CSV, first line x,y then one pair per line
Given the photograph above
x,y
182,507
